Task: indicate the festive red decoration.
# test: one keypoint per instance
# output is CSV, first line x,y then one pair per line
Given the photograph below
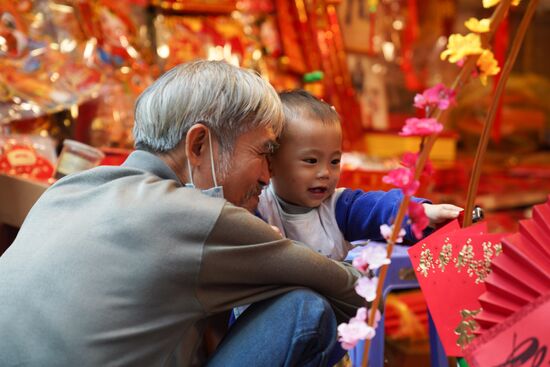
x,y
22,160
451,266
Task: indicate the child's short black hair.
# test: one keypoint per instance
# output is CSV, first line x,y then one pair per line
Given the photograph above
x,y
299,103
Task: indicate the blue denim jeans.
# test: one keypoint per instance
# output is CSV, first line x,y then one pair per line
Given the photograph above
x,y
295,329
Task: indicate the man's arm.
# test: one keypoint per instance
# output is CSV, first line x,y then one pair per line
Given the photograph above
x,y
245,261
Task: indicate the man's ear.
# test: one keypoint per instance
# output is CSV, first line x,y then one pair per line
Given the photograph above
x,y
196,142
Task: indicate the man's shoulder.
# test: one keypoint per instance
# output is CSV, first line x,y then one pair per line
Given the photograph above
x,y
134,188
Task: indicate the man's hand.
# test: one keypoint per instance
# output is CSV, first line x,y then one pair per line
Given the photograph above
x,y
439,213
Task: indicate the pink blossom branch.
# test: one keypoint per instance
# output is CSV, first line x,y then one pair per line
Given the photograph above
x,y
425,150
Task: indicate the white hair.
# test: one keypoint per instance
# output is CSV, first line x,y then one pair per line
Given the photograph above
x,y
228,99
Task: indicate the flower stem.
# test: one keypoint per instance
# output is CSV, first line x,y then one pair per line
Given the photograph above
x,y
484,139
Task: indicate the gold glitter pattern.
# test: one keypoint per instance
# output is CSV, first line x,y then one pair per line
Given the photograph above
x,y
464,260
426,261
466,327
445,256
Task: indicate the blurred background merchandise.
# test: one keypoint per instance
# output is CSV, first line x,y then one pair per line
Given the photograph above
x,y
73,69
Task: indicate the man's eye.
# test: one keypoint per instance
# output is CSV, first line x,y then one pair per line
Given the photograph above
x,y
310,160
272,147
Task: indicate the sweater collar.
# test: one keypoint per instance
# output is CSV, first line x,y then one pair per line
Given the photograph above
x,y
149,162
288,207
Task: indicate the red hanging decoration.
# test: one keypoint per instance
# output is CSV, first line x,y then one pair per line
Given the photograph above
x,y
410,34
500,45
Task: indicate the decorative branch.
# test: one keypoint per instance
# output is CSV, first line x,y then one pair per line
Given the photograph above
x,y
471,62
484,139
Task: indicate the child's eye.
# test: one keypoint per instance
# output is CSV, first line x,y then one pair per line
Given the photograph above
x,y
310,160
335,162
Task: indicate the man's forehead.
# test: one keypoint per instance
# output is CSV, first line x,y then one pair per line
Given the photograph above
x,y
262,137
267,137
270,133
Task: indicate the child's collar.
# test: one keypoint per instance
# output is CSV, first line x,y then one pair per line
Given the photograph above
x,y
291,208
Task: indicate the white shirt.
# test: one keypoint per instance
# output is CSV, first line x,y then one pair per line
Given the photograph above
x,y
316,228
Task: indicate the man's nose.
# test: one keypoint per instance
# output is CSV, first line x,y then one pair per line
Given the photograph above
x,y
264,173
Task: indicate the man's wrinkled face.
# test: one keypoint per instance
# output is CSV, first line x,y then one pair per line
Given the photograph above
x,y
248,169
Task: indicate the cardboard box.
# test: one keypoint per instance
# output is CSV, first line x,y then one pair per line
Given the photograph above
x,y
17,196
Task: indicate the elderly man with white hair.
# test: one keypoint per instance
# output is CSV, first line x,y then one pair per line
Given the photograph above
x,y
122,266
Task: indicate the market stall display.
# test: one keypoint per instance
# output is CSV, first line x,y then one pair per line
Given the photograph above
x,y
73,69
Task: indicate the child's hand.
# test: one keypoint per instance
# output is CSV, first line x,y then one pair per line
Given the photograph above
x,y
439,213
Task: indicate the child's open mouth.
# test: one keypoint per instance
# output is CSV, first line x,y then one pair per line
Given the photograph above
x,y
317,190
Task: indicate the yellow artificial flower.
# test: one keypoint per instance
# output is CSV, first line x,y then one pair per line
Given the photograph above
x,y
487,66
460,46
478,26
491,3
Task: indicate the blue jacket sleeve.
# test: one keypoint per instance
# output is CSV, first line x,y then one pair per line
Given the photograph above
x,y
360,214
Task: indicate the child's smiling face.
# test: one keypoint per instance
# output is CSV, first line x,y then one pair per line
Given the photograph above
x,y
306,167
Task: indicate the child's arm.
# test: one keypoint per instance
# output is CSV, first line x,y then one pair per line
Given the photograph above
x,y
360,214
